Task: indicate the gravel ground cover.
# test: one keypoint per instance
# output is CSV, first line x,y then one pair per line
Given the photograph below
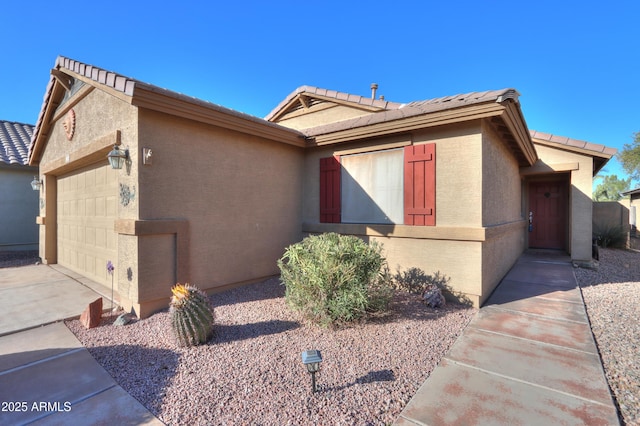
x,y
18,258
612,296
252,373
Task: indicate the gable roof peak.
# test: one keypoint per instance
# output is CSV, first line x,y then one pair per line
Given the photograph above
x,y
311,92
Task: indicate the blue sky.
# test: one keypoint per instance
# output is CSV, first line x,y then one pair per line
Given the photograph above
x,y
575,64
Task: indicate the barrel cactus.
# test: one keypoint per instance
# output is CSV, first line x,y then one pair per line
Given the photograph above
x,y
191,315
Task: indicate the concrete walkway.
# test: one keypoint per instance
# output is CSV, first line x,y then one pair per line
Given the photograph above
x,y
46,376
527,358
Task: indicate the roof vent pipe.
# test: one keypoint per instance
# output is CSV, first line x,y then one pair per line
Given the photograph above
x,y
374,87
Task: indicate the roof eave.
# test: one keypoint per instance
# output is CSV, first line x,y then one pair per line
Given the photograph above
x,y
153,98
514,119
600,158
631,192
474,112
148,96
42,127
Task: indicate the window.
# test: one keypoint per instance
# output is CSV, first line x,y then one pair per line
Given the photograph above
x,y
395,186
372,187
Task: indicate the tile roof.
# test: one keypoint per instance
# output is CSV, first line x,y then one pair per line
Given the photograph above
x,y
416,108
15,139
631,192
573,143
128,86
327,93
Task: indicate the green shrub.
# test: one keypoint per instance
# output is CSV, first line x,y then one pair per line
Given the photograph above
x,y
333,279
609,235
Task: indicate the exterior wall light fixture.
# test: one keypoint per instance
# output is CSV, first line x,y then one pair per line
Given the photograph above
x,y
118,158
312,360
36,183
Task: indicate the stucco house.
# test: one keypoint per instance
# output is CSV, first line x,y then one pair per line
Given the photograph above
x,y
213,196
18,231
634,203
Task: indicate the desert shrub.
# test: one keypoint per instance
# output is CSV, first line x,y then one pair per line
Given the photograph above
x,y
191,314
609,235
416,281
332,278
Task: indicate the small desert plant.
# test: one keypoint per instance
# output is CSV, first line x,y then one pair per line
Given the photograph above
x,y
191,315
416,281
332,278
609,235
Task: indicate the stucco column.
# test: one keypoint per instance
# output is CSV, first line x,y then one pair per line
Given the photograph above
x,y
581,211
48,223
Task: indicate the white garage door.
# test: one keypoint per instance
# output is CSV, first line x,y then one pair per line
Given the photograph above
x,y
87,209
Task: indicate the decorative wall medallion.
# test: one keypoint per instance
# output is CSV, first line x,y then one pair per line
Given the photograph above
x,y
69,124
127,194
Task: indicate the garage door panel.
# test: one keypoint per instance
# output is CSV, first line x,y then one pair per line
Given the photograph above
x,y
87,210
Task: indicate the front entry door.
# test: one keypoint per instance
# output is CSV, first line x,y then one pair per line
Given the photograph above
x,y
547,215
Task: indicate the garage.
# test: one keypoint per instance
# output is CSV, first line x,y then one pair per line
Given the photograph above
x,y
86,211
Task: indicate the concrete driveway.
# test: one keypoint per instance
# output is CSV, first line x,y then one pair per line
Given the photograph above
x,y
46,376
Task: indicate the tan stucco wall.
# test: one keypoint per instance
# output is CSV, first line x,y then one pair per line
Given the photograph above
x,y
501,210
634,210
612,213
320,114
460,261
501,182
499,253
458,173
18,208
239,195
99,118
580,167
458,194
479,230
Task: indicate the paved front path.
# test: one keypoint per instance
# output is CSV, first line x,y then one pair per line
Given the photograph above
x,y
528,358
46,376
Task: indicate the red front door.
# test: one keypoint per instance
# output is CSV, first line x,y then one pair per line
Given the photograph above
x,y
547,215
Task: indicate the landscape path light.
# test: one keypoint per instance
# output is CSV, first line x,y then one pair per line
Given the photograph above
x,y
312,360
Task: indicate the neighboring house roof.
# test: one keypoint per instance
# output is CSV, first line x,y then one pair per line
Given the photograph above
x,y
15,139
631,192
600,153
148,96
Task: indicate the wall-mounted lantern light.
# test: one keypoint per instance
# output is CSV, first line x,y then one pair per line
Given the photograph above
x,y
118,158
36,183
312,360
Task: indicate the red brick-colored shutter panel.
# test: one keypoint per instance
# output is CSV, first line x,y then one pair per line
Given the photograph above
x,y
420,185
330,190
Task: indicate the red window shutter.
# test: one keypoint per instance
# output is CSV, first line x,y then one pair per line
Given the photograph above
x,y
330,190
420,185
